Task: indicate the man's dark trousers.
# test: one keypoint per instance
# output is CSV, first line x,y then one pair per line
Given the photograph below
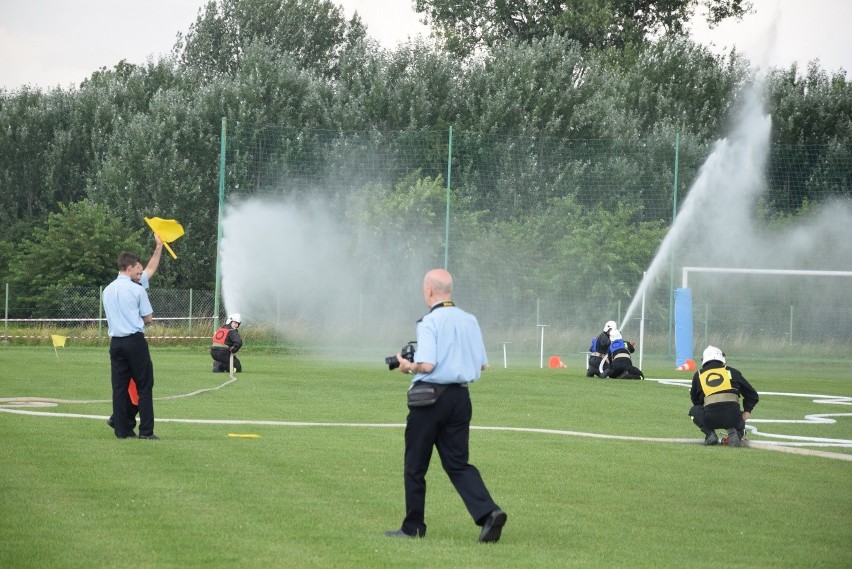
x,y
446,426
129,357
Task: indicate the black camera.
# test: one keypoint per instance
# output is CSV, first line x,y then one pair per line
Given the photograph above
x,y
407,352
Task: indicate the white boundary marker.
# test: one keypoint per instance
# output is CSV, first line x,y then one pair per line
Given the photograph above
x,y
792,443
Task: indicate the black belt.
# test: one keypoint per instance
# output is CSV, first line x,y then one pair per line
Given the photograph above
x,y
129,335
445,384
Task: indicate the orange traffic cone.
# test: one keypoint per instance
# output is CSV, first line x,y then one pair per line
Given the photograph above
x,y
556,361
688,365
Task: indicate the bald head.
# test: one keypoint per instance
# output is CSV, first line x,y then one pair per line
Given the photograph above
x,y
437,286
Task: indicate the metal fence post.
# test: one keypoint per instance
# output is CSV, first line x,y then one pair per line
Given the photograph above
x,y
222,148
100,311
6,316
189,333
449,176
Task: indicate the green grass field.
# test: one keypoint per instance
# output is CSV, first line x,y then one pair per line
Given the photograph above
x,y
321,494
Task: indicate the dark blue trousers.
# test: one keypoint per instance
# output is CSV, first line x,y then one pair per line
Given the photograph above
x,y
446,427
129,357
726,415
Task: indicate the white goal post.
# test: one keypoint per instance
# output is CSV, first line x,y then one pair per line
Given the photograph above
x,y
687,270
683,302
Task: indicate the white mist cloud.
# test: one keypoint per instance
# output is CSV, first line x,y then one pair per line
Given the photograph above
x,y
717,226
317,278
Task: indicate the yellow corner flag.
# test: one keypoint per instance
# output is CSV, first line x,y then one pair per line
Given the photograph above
x,y
58,342
169,231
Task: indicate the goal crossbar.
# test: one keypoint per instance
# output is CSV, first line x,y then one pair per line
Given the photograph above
x,y
687,270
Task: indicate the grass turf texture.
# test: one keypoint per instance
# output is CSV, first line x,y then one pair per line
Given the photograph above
x,y
300,496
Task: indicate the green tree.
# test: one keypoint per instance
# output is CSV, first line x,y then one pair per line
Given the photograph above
x,y
679,84
465,25
164,163
414,87
810,106
605,251
543,88
405,213
33,135
271,88
812,130
313,32
77,247
51,142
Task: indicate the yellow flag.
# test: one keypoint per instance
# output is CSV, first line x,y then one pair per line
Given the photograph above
x,y
169,230
58,341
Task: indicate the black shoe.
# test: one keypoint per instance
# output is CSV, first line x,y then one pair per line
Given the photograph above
x,y
111,423
711,439
400,533
733,438
132,435
493,526
151,437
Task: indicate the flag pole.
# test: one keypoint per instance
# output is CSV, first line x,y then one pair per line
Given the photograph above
x,y
169,249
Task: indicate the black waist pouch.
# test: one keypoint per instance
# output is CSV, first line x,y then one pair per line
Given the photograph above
x,y
422,394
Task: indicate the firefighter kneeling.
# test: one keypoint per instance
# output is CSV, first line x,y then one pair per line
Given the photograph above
x,y
715,393
227,342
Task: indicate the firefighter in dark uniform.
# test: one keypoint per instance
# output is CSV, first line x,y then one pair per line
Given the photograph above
x,y
599,351
716,389
620,363
227,341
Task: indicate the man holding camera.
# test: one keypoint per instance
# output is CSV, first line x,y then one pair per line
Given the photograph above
x,y
450,354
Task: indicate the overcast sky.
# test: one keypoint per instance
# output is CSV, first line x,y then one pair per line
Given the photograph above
x,y
46,43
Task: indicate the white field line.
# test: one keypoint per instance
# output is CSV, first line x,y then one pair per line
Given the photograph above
x,y
15,405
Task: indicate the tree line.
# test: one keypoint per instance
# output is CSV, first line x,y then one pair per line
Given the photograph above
x,y
80,167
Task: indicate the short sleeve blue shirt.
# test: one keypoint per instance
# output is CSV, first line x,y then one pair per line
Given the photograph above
x,y
125,303
451,340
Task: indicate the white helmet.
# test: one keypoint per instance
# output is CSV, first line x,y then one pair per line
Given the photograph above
x,y
609,326
712,353
235,317
614,334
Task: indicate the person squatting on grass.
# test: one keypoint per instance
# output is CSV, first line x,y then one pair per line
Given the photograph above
x,y
715,392
599,352
620,363
128,310
227,341
450,354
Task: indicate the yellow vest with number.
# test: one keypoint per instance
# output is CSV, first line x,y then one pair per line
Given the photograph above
x,y
715,380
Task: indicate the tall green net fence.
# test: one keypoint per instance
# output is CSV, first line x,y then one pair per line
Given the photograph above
x,y
327,235
547,238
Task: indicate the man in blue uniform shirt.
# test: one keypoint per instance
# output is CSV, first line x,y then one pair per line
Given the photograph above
x,y
127,310
143,278
450,354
